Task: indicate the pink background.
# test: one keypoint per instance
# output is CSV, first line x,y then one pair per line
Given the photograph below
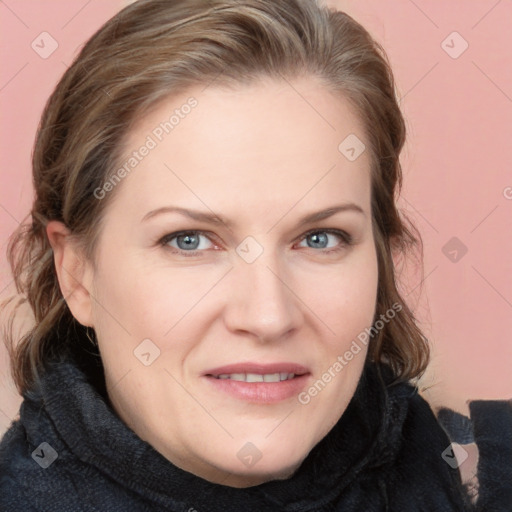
x,y
457,165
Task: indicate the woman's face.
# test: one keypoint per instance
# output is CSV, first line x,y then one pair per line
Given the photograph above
x,y
201,333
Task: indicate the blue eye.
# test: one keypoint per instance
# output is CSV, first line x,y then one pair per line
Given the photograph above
x,y
188,243
320,238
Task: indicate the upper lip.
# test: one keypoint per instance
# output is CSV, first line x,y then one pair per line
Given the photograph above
x,y
259,368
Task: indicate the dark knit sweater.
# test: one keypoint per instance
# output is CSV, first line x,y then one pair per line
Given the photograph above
x,y
384,454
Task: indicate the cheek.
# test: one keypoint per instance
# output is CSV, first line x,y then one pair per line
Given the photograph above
x,y
148,299
123,299
344,299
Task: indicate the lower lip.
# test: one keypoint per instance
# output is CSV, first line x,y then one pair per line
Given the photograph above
x,y
260,392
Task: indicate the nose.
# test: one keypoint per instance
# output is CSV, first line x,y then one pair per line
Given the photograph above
x,y
262,302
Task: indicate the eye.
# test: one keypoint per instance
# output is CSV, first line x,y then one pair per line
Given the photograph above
x,y
188,242
319,239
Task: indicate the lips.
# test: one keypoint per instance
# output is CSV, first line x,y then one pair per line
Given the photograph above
x,y
259,383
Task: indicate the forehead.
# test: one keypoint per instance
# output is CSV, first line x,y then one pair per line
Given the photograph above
x,y
247,149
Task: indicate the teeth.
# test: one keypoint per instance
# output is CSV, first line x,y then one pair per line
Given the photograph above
x,y
256,377
253,377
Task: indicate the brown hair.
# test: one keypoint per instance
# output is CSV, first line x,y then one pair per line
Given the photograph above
x,y
155,48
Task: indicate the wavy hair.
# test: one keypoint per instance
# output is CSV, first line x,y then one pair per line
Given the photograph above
x,y
154,48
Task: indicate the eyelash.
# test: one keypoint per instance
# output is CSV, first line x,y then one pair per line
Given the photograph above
x,y
345,237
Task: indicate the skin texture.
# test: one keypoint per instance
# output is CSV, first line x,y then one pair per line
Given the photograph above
x,y
262,157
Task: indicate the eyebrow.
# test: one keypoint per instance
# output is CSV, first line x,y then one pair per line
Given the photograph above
x,y
212,218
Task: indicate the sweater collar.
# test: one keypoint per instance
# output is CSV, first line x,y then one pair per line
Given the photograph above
x,y
366,436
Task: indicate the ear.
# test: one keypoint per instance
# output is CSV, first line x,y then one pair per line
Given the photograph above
x,y
73,272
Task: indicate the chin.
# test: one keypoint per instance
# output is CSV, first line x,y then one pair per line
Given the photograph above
x,y
265,473
258,462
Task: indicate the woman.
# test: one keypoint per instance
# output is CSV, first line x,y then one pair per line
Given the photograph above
x,y
210,265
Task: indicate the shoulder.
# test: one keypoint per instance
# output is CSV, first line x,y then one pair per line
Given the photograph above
x,y
421,467
30,478
13,489
39,472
